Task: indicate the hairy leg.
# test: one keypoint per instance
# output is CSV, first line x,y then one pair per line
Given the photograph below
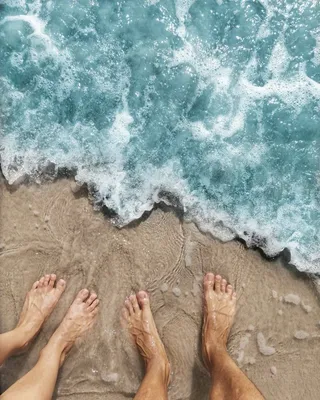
x,y
39,383
139,319
39,303
228,381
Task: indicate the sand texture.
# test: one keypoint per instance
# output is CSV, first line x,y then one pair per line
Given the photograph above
x,y
49,229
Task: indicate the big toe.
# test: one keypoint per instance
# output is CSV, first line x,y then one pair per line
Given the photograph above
x,y
208,281
143,299
82,296
61,285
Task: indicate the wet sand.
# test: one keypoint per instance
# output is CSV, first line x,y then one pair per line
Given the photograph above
x,y
49,228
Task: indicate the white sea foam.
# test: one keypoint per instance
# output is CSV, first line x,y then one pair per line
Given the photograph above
x,y
301,335
264,348
105,109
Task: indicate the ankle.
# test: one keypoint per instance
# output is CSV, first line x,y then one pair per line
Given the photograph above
x,y
213,354
22,336
159,366
28,329
54,347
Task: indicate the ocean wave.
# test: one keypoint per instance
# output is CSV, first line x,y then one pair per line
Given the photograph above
x,y
216,103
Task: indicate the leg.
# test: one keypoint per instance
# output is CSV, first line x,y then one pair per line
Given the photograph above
x,y
39,304
228,381
138,316
39,383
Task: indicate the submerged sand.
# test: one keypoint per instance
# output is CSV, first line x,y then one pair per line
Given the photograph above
x,y
275,338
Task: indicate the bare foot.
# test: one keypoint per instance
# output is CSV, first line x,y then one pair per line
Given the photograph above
x,y
78,320
219,310
138,315
39,304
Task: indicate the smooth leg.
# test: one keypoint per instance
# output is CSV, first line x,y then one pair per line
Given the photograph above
x,y
10,343
39,383
228,381
139,319
39,303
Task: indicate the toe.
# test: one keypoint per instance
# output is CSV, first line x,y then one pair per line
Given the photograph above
x,y
61,285
95,311
223,285
82,295
41,282
52,280
229,290
208,281
143,299
93,305
217,284
134,302
129,306
35,285
46,280
234,295
91,298
125,313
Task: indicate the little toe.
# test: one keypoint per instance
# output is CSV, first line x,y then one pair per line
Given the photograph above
x,y
143,299
35,285
95,311
217,284
223,285
93,305
82,295
52,280
91,298
134,302
61,285
129,306
125,313
229,290
46,280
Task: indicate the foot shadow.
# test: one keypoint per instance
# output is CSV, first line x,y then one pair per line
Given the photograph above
x,y
201,382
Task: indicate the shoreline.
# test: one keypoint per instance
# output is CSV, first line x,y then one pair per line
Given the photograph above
x,y
49,228
51,175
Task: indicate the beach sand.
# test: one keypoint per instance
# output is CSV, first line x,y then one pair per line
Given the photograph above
x,y
50,229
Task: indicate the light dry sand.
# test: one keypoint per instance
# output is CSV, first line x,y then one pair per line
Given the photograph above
x,y
50,229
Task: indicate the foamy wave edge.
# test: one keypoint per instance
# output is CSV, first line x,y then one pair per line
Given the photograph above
x,y
176,195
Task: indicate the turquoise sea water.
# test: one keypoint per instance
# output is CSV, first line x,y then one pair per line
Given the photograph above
x,y
211,104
